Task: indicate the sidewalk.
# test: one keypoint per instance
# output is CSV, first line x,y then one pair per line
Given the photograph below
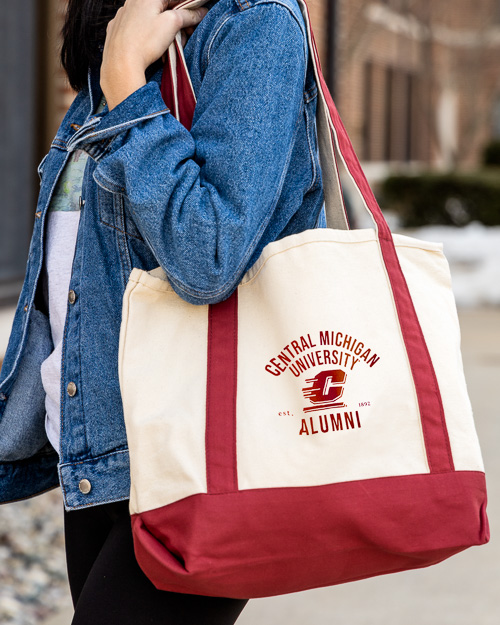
x,y
459,591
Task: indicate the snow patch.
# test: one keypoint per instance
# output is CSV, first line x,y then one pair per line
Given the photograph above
x,y
473,253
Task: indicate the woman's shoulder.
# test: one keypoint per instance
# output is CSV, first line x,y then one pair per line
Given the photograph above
x,y
267,22
223,9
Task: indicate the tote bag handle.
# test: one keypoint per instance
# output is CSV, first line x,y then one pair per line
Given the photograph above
x,y
177,90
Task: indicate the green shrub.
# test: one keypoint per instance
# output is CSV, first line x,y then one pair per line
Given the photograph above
x,y
448,199
491,154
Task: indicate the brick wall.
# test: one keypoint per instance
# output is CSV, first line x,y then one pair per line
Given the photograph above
x,y
452,59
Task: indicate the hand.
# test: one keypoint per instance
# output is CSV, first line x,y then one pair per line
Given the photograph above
x,y
137,36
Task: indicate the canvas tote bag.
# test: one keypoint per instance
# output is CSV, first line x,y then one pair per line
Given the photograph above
x,y
312,429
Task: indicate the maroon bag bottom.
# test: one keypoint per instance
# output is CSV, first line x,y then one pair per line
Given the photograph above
x,y
265,542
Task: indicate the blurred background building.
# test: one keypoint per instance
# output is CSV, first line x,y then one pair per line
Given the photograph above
x,y
418,80
417,83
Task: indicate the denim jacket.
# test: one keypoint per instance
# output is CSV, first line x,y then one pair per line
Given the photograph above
x,y
201,203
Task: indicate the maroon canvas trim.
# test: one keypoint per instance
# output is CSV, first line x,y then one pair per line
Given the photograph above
x,y
430,404
434,429
222,370
435,433
258,543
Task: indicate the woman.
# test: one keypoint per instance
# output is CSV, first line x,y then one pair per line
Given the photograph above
x,y
125,185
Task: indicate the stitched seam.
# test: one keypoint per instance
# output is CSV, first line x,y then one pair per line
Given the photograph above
x,y
106,147
208,400
311,94
119,234
433,376
208,420
397,320
88,125
122,246
109,225
82,385
41,167
312,154
418,247
82,304
61,385
264,2
403,334
108,455
296,247
152,288
123,339
124,252
225,18
285,6
122,231
385,477
235,398
113,184
119,127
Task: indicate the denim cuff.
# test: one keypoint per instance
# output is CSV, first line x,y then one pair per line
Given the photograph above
x,y
97,135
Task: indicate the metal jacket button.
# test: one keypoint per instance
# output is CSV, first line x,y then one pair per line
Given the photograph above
x,y
71,389
72,297
38,214
85,487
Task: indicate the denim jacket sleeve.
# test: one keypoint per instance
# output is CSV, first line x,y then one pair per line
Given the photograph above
x,y
202,199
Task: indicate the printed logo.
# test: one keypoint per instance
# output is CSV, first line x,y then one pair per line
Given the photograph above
x,y
324,352
326,388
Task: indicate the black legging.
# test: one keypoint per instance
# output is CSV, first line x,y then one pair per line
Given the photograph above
x,y
109,588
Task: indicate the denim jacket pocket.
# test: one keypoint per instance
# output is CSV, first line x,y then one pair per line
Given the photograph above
x,y
114,213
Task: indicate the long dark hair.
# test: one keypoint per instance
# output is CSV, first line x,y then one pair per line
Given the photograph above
x,y
83,36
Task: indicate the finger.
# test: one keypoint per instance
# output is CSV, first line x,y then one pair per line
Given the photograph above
x,y
189,17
